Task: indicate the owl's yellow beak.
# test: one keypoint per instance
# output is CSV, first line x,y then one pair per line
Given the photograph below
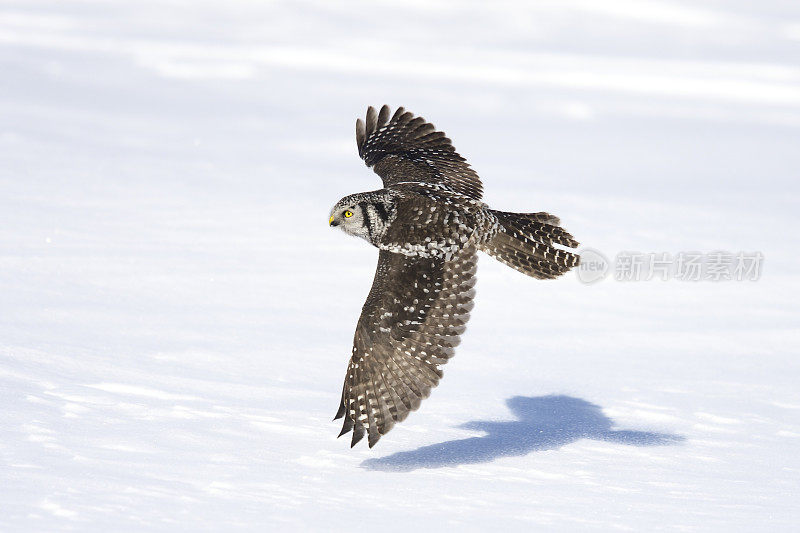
x,y
330,221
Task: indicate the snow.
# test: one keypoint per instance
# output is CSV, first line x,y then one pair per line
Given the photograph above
x,y
176,316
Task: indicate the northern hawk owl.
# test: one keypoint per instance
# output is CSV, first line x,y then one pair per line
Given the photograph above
x,y
428,223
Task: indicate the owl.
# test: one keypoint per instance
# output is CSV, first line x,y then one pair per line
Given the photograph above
x,y
428,223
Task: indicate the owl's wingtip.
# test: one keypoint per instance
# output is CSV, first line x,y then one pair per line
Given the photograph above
x,y
358,434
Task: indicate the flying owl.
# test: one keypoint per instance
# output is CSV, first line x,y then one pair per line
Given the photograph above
x,y
429,223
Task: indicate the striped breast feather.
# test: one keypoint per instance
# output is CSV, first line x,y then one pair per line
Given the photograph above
x,y
401,147
409,327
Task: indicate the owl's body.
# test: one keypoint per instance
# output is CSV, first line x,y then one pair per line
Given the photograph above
x,y
428,223
417,219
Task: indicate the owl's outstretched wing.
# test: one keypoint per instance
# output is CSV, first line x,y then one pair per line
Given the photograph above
x,y
410,324
402,147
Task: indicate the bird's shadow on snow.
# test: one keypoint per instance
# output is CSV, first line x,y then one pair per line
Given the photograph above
x,y
543,423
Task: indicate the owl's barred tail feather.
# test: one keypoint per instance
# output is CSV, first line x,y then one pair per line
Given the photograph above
x,y
526,242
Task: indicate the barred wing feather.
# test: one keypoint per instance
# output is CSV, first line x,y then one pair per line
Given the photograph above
x,y
410,325
401,147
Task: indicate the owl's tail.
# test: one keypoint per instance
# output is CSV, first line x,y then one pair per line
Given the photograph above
x,y
526,242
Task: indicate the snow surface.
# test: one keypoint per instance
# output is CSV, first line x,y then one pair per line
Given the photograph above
x,y
176,316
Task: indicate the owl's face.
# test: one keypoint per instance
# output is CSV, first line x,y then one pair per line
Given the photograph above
x,y
365,215
349,216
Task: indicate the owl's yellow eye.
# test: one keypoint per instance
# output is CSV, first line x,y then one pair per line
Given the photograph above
x,y
348,214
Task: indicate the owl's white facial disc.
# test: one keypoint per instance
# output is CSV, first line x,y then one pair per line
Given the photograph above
x,y
366,215
349,217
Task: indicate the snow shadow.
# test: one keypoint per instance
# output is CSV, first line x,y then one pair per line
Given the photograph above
x,y
543,423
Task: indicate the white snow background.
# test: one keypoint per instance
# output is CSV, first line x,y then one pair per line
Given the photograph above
x,y
176,316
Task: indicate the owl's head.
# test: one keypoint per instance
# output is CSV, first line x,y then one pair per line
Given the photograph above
x,y
348,215
363,215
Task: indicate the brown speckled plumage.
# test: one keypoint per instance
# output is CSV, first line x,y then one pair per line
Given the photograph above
x,y
429,223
